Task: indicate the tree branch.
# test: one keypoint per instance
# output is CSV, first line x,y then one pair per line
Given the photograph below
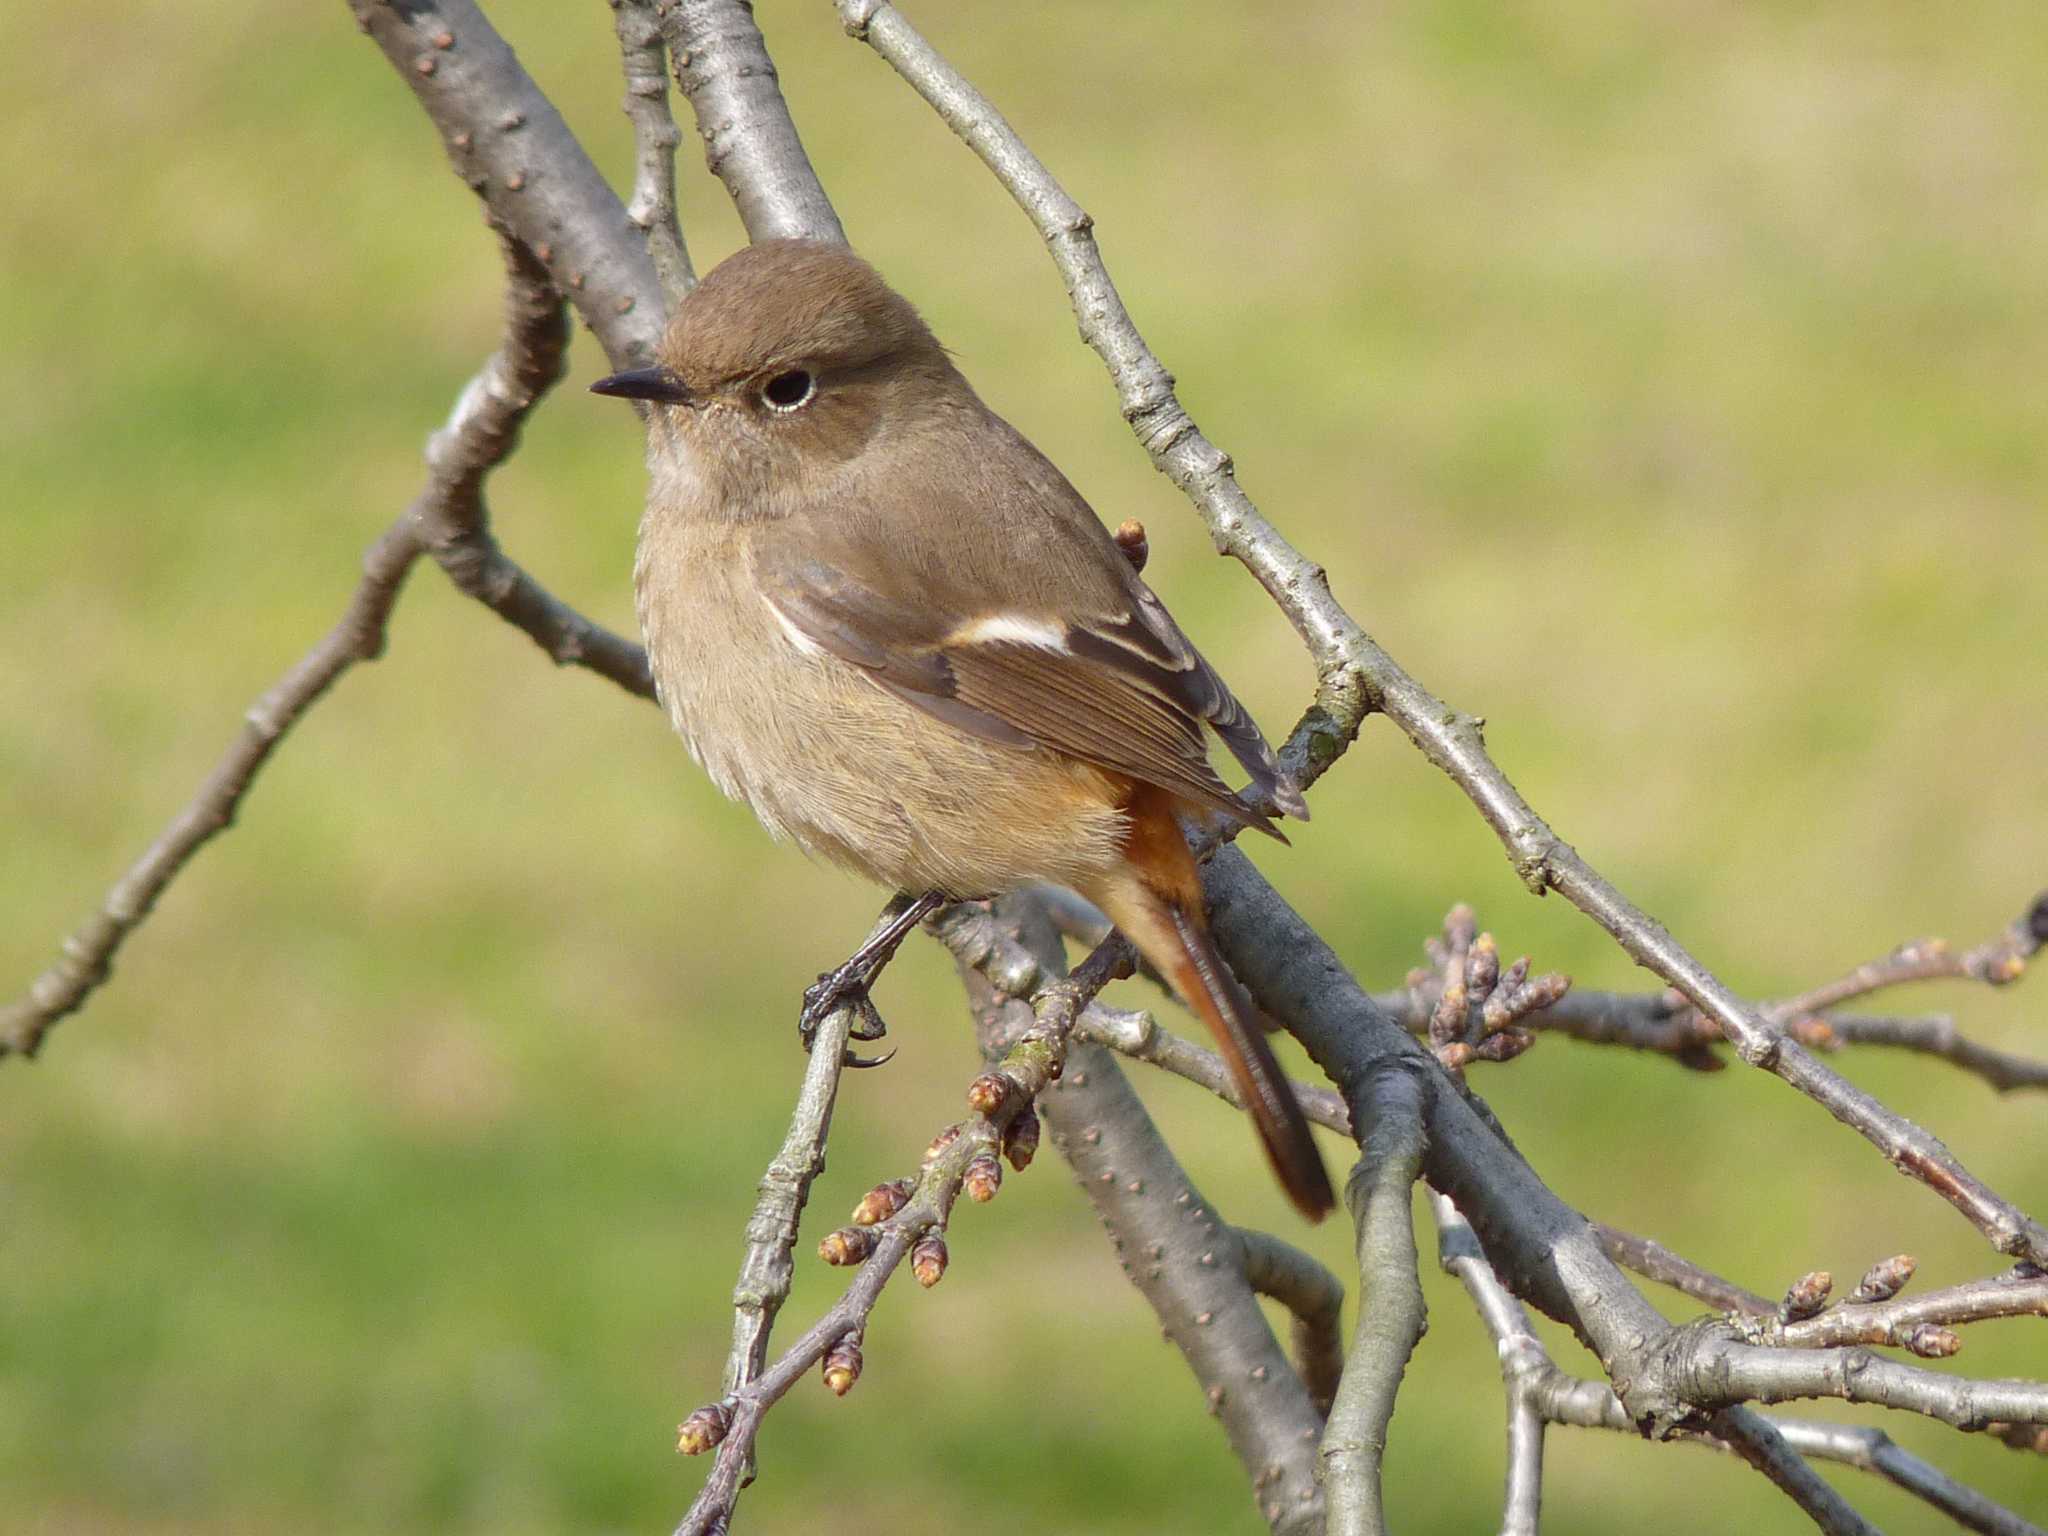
x,y
1315,1297
448,521
750,141
1906,1322
1654,1261
510,146
1537,1388
767,1267
655,137
1391,1314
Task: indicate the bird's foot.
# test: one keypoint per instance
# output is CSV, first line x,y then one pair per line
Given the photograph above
x,y
848,985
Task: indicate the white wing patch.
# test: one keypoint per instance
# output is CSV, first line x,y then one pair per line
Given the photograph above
x,y
804,644
1015,629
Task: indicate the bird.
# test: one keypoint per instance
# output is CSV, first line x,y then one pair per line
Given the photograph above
x,y
879,617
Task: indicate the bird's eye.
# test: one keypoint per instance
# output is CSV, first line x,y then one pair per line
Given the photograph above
x,y
787,391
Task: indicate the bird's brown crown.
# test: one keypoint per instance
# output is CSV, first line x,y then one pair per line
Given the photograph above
x,y
788,302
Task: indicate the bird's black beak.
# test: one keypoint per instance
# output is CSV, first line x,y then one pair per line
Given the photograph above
x,y
646,384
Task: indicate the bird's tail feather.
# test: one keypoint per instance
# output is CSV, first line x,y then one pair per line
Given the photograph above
x,y
1158,905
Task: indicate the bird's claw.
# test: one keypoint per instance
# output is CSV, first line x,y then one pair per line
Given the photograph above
x,y
846,987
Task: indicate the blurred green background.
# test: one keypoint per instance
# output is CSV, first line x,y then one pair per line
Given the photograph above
x,y
1666,385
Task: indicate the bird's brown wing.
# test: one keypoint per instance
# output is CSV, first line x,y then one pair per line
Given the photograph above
x,y
1111,690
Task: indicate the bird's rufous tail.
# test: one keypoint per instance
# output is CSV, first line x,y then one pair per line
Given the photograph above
x,y
1157,902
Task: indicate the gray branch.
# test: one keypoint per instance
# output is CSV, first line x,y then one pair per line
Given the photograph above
x,y
510,146
1524,1365
1538,1390
1145,390
1313,1296
447,521
767,1266
1901,1321
1652,1260
750,141
1391,1315
643,57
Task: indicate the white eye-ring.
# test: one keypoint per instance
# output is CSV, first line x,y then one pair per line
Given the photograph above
x,y
789,391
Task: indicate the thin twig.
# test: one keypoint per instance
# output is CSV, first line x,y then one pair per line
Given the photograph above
x,y
447,520
655,137
964,1155
1141,1037
1936,1035
1756,1440
1652,1260
1900,1321
1998,961
766,1268
1663,1022
1523,1362
1355,675
1391,1315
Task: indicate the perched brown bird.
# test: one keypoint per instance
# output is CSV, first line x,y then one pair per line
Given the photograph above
x,y
886,622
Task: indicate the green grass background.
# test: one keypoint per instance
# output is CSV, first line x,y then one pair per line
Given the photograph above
x,y
1666,384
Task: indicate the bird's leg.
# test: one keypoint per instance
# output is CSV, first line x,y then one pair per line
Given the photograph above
x,y
847,986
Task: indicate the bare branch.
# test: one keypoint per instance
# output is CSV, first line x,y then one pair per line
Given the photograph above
x,y
1538,1387
1523,1365
655,137
447,521
88,954
1301,1284
1141,1037
1756,1440
1664,1022
1708,1362
1174,1247
1936,1035
732,1424
750,142
454,524
1391,1315
1900,1321
510,146
1872,1450
1654,1261
767,1267
1997,962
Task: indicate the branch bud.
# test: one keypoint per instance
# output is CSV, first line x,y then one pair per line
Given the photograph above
x,y
940,1142
1932,1343
702,1430
1020,1139
1130,538
988,1093
928,1260
983,1178
848,1245
1807,1297
881,1202
841,1365
1885,1279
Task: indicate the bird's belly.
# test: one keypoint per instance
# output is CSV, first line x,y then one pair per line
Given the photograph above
x,y
851,773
